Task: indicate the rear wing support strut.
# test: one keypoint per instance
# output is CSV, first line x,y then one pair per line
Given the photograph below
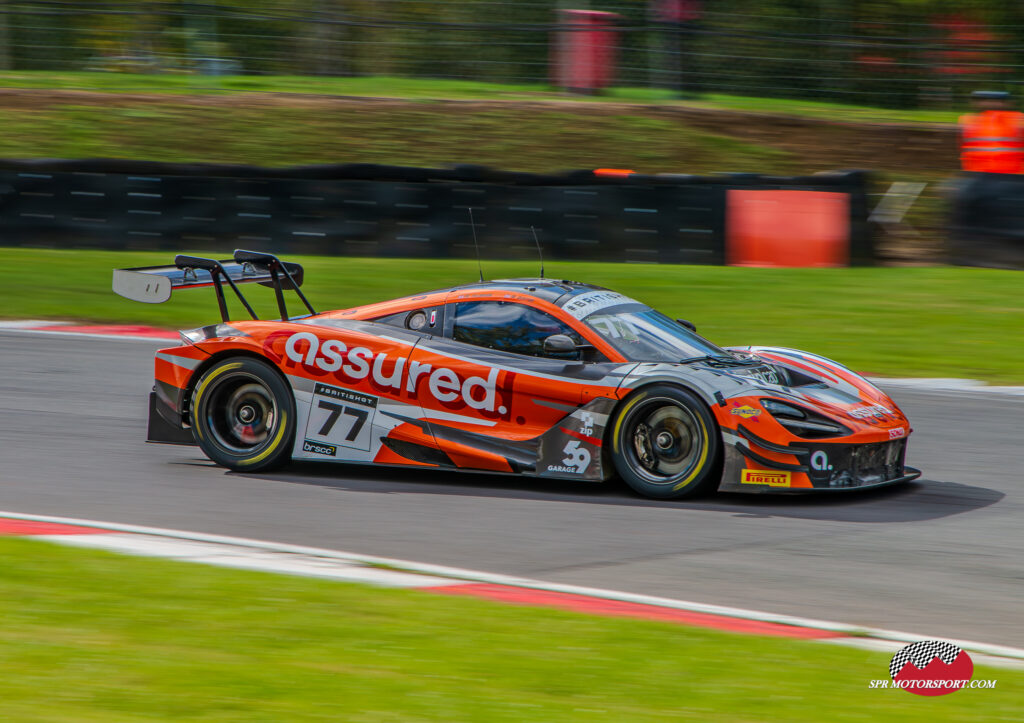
x,y
275,266
218,274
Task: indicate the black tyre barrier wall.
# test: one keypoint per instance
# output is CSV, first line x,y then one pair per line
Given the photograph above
x,y
987,223
369,210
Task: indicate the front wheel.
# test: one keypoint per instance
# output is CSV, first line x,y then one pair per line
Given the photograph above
x,y
243,415
665,443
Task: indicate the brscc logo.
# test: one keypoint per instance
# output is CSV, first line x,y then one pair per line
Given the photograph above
x,y
931,667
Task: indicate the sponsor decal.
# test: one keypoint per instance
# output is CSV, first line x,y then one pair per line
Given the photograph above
x,y
584,305
898,433
820,463
766,375
746,411
765,477
390,373
342,417
319,448
346,395
931,667
576,461
433,317
587,420
763,374
873,410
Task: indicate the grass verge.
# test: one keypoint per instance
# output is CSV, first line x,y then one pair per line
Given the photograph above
x,y
432,88
943,322
91,636
425,134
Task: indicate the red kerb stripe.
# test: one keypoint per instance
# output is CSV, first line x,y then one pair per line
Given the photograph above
x,y
618,608
30,527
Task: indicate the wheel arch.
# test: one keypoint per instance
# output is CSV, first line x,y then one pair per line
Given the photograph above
x,y
216,358
620,406
618,413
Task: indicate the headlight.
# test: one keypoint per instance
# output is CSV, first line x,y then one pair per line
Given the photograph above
x,y
217,331
803,422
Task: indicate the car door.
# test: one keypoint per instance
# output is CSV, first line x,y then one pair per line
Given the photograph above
x,y
349,380
492,392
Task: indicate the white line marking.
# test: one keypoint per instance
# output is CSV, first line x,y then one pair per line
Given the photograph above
x,y
888,646
30,323
454,573
223,555
925,384
87,335
954,386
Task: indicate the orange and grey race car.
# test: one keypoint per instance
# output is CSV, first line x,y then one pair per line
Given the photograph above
x,y
536,377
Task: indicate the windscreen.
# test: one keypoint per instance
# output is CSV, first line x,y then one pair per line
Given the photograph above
x,y
640,333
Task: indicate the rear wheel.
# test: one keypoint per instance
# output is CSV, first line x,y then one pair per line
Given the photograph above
x,y
665,443
243,415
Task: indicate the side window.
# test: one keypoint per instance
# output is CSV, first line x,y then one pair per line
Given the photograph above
x,y
429,320
507,326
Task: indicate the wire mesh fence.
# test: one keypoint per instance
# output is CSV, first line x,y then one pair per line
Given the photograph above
x,y
888,54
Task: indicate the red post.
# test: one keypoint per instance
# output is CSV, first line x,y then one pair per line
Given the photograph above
x,y
586,49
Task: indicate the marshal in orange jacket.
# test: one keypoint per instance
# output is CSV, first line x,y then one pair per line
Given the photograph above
x,y
993,142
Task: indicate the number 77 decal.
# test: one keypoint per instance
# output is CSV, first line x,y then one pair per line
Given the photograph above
x,y
337,410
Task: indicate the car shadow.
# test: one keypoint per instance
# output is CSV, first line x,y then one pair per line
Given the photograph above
x,y
908,502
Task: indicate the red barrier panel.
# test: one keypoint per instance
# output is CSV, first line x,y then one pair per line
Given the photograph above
x,y
787,228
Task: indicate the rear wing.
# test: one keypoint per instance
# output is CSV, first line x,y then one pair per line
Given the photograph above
x,y
154,284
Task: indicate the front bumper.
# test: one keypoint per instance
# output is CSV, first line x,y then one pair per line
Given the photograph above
x,y
756,465
909,475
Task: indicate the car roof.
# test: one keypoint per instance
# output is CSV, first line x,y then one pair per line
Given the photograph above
x,y
555,291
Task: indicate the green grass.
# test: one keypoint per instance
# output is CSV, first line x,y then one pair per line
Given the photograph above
x,y
891,321
826,110
428,88
177,83
88,636
428,135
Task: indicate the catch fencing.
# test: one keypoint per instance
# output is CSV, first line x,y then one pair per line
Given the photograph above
x,y
369,210
864,52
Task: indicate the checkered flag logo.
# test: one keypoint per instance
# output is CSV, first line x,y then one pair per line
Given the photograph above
x,y
922,653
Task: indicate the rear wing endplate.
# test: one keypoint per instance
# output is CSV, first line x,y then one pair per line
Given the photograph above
x,y
154,284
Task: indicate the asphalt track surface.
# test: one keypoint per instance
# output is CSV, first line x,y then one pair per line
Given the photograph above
x,y
940,556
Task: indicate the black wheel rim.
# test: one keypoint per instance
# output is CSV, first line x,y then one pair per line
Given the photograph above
x,y
241,413
663,440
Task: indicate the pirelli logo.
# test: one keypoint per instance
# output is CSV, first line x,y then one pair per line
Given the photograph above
x,y
763,477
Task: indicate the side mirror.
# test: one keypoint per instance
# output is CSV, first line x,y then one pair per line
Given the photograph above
x,y
688,324
559,344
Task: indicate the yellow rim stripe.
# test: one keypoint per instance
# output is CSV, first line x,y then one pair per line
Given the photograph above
x,y
703,458
273,445
622,416
202,388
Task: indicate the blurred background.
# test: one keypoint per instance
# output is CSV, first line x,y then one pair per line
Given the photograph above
x,y
893,54
784,88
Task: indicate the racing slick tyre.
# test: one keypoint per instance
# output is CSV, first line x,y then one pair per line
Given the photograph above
x,y
665,443
243,415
